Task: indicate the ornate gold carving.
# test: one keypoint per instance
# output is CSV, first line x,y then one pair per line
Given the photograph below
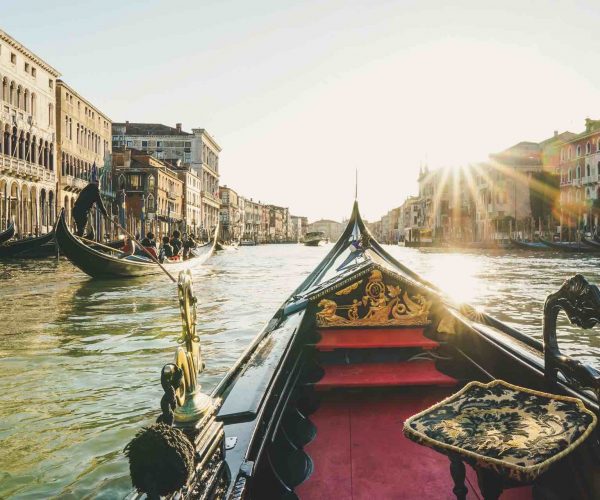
x,y
386,305
348,289
447,325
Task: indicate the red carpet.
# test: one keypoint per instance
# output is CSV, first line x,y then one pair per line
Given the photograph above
x,y
360,452
373,338
383,375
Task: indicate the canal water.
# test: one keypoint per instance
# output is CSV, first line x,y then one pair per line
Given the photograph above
x,y
80,359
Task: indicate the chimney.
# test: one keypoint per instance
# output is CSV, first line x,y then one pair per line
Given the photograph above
x,y
178,127
556,133
126,122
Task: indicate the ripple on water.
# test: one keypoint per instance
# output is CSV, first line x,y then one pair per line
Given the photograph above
x,y
81,358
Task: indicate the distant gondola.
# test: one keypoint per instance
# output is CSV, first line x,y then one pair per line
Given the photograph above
x,y
315,407
99,264
530,245
591,243
8,233
29,248
570,247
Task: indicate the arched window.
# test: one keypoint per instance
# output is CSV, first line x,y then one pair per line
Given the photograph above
x,y
570,175
578,150
150,203
50,114
26,106
121,181
587,170
151,183
588,148
578,172
33,103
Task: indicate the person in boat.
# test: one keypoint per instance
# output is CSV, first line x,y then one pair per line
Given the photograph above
x,y
89,196
149,244
166,250
128,248
188,244
176,242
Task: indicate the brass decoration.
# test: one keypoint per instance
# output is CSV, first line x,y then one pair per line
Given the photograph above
x,y
191,403
447,325
348,289
386,305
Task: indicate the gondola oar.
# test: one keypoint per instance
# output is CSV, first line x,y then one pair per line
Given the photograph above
x,y
143,248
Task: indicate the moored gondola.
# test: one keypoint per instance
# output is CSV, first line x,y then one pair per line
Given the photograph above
x,y
30,248
317,405
591,243
568,247
8,233
100,264
530,245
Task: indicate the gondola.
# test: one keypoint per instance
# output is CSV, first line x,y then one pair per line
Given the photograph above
x,y
99,264
570,247
591,243
530,245
323,402
8,233
29,248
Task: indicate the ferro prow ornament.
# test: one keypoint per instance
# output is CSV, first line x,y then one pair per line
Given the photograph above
x,y
165,457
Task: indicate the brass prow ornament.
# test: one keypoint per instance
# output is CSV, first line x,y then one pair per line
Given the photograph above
x,y
191,403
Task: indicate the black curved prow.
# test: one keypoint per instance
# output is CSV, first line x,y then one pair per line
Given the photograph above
x,y
581,302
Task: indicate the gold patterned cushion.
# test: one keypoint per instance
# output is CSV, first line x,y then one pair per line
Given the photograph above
x,y
517,432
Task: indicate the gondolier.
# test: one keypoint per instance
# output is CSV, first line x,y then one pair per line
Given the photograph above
x,y
89,196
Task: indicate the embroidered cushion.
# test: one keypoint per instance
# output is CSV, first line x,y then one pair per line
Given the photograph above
x,y
518,432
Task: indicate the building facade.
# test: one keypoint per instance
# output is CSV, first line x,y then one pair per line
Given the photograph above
x,y
579,169
150,194
83,135
192,187
27,148
197,149
232,226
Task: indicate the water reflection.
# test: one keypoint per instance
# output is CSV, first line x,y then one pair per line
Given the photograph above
x,y
80,359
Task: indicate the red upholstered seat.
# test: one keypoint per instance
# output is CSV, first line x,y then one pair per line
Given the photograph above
x,y
346,338
398,374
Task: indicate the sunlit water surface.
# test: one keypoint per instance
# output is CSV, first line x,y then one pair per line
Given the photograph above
x,y
80,359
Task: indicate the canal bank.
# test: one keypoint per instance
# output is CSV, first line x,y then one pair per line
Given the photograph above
x,y
85,355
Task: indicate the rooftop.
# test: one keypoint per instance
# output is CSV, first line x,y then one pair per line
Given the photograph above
x,y
150,129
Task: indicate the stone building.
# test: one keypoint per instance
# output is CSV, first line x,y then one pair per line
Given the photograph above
x,y
27,147
579,170
83,140
231,219
254,221
153,193
192,188
298,225
197,149
278,228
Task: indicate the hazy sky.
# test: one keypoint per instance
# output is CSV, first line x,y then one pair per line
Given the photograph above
x,y
299,93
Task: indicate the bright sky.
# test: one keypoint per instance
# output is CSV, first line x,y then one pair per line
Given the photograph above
x,y
301,93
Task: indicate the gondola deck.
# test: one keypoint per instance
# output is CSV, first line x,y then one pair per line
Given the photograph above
x,y
315,407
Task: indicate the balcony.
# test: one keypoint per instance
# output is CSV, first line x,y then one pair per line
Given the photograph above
x,y
207,195
24,169
565,182
171,195
72,183
590,179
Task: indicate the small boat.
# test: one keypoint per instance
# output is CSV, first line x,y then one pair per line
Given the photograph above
x,y
30,248
315,407
100,264
247,243
314,238
8,233
575,247
530,245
